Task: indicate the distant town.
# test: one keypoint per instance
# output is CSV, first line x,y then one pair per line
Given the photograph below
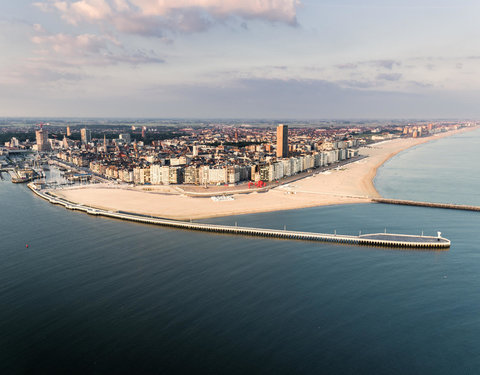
x,y
207,155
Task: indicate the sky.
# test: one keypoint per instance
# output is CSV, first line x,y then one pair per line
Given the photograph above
x,y
302,59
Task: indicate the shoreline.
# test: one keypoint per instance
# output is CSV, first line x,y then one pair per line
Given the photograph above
x,y
371,176
351,183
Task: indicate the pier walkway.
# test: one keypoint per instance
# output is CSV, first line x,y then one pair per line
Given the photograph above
x,y
449,206
380,239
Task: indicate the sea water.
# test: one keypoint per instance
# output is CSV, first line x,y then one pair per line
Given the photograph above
x,y
96,295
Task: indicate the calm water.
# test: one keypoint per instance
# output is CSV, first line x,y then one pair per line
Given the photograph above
x,y
93,295
445,170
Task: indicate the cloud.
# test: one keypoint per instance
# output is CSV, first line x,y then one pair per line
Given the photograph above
x,y
389,77
385,64
346,66
30,73
154,17
77,10
87,49
241,98
38,28
358,84
422,85
73,45
291,98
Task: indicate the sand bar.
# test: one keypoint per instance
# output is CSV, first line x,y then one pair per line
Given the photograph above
x,y
352,183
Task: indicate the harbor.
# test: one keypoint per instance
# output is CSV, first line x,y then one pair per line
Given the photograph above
x,y
388,240
22,175
24,168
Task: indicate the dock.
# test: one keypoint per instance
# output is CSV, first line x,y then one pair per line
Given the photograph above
x,y
22,175
373,240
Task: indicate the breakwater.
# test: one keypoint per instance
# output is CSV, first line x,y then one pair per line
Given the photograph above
x,y
449,206
377,239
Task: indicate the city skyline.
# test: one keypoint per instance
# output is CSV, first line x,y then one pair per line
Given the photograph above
x,y
213,59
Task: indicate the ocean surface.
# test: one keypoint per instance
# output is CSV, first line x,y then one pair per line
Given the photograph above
x,y
99,296
444,170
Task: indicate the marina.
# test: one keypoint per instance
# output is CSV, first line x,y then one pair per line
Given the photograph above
x,y
22,175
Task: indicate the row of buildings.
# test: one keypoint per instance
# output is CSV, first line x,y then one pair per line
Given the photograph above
x,y
186,161
158,173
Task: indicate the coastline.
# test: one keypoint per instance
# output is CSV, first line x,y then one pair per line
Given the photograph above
x,y
370,177
351,183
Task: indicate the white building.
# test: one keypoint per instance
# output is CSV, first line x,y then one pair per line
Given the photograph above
x,y
217,175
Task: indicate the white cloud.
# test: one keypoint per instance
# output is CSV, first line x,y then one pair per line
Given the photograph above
x,y
76,11
90,9
72,45
87,49
153,17
274,10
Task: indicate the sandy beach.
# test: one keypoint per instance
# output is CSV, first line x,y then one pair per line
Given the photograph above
x,y
352,183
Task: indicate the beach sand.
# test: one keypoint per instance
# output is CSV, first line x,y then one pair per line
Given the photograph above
x,y
351,183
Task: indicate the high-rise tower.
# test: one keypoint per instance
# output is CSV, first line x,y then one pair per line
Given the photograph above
x,y
42,140
86,135
282,141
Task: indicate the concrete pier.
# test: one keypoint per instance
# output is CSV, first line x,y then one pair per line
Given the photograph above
x,y
427,204
378,239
